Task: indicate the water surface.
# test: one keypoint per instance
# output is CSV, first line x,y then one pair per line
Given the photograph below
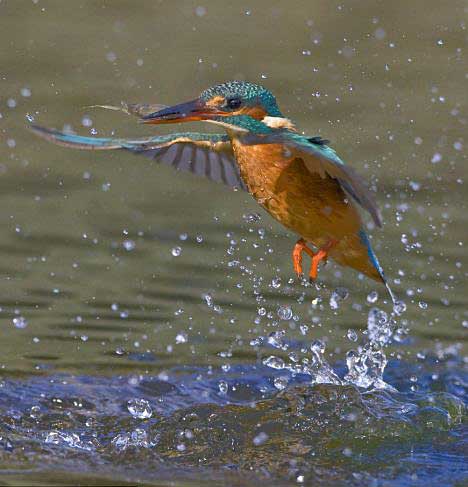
x,y
123,281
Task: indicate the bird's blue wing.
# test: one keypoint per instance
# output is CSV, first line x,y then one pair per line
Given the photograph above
x,y
324,160
208,155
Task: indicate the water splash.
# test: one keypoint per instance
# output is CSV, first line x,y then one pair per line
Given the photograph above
x,y
366,367
317,367
139,408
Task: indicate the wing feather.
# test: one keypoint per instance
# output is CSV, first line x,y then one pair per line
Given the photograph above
x,y
207,155
324,160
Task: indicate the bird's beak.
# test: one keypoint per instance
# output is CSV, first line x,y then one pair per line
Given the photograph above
x,y
190,111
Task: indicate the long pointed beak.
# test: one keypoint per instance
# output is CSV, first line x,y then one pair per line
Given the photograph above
x,y
190,111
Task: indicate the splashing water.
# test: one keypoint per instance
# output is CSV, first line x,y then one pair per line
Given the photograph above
x,y
365,365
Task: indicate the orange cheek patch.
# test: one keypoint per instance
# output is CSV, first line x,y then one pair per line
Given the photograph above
x,y
255,112
216,101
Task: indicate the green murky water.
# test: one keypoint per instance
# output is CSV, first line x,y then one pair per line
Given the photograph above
x,y
96,310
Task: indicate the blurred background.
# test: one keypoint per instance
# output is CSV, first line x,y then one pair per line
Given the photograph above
x,y
112,265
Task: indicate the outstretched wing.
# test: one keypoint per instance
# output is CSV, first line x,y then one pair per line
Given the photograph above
x,y
208,155
318,157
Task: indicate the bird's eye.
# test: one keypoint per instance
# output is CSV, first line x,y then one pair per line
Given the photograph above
x,y
233,103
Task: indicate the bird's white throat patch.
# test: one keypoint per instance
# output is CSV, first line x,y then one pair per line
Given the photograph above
x,y
278,123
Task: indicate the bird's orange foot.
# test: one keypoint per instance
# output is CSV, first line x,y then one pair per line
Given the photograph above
x,y
300,247
318,257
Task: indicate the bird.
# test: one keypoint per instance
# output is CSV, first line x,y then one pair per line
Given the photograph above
x,y
299,180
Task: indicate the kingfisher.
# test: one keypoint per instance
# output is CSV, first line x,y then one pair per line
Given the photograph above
x,y
299,180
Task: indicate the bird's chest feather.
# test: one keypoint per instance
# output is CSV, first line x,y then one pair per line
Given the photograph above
x,y
261,167
301,200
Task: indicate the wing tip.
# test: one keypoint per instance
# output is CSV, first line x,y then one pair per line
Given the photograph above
x,y
378,220
43,132
72,140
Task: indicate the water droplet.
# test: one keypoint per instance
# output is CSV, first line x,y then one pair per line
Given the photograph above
x,y
436,158
86,121
176,251
139,408
276,282
223,387
440,42
304,329
352,335
422,304
260,438
372,297
26,92
318,347
20,322
285,312
378,326
208,299
458,146
338,295
251,217
274,362
275,339
399,308
181,337
128,245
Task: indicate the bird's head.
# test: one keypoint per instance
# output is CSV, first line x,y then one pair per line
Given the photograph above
x,y
234,104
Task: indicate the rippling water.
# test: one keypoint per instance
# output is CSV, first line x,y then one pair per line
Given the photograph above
x,y
153,330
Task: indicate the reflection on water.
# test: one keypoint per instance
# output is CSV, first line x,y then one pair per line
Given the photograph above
x,y
151,324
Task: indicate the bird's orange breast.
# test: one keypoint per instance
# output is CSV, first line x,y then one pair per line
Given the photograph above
x,y
314,207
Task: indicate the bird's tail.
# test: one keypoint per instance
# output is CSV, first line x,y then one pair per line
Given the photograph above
x,y
375,262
